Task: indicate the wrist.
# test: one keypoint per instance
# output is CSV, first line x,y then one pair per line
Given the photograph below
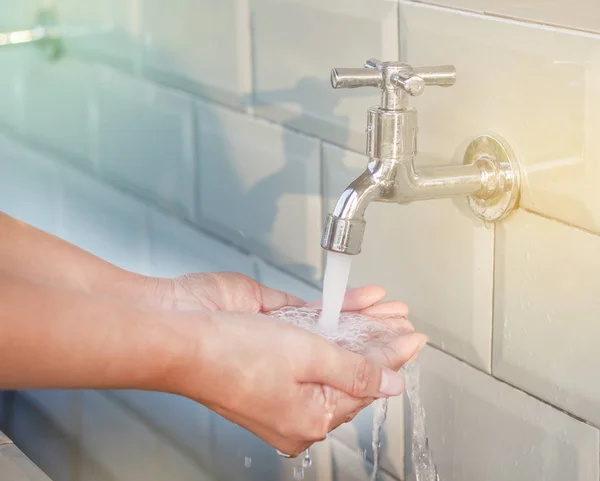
x,y
183,357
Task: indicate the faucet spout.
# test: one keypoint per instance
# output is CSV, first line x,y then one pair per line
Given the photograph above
x,y
345,226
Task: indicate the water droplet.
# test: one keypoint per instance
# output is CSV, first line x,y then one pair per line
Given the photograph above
x,y
298,472
307,462
363,454
247,461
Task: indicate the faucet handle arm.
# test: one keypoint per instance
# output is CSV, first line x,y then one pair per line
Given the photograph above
x,y
349,78
443,76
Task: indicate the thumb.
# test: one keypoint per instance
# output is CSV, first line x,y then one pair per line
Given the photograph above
x,y
358,376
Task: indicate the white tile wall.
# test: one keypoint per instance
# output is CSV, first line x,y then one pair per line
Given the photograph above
x,y
106,30
45,444
480,428
297,43
177,249
551,12
277,279
181,419
29,180
259,183
348,465
506,74
545,332
233,444
177,467
201,46
61,406
58,107
145,140
104,221
418,252
118,442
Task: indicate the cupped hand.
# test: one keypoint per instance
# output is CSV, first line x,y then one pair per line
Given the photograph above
x,y
282,383
235,292
217,291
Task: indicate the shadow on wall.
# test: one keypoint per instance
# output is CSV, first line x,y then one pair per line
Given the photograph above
x,y
267,181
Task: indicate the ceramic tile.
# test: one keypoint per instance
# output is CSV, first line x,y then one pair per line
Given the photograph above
x,y
292,67
547,280
200,46
57,108
106,30
46,446
145,140
105,222
481,428
184,421
14,15
18,14
348,465
506,72
259,183
549,12
358,436
238,454
29,186
435,256
61,406
277,279
235,448
117,440
177,249
90,470
175,466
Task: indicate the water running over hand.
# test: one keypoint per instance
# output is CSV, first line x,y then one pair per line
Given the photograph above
x,y
423,466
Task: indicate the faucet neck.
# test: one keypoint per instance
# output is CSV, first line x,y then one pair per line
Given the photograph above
x,y
391,134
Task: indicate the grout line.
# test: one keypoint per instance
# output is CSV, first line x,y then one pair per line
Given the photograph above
x,y
512,19
494,267
506,383
560,221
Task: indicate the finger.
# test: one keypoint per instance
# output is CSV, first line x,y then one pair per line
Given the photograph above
x,y
272,299
398,325
351,373
392,308
398,352
357,298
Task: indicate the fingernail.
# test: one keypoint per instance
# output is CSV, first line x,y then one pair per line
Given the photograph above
x,y
392,383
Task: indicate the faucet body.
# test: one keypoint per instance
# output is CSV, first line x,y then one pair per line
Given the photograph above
x,y
391,174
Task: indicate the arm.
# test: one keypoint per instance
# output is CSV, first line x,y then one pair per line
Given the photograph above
x,y
53,337
28,252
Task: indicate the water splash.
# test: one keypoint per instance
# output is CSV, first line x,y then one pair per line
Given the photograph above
x,y
247,461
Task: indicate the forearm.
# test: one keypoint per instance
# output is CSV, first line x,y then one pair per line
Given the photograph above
x,y
58,338
28,252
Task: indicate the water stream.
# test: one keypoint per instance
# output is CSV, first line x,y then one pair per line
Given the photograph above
x,y
424,468
335,282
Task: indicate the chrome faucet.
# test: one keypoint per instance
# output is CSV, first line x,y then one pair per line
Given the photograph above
x,y
490,176
45,34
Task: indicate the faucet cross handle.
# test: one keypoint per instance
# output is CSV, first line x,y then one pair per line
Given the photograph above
x,y
393,75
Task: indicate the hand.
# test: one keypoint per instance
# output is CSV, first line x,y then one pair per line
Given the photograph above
x,y
235,292
282,383
216,291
